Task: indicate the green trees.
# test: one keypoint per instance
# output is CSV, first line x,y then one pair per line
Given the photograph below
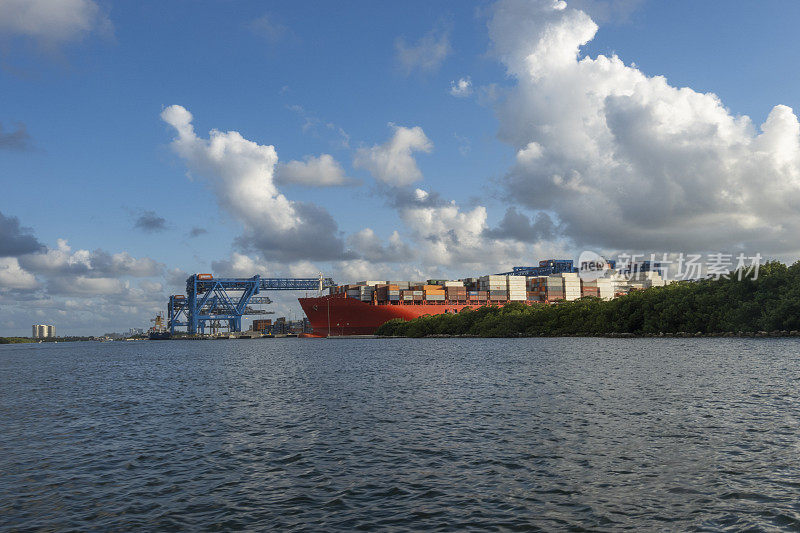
x,y
769,303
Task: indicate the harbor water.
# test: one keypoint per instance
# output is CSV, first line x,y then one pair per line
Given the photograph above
x,y
402,434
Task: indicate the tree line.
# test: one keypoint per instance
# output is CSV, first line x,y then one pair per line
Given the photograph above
x,y
770,303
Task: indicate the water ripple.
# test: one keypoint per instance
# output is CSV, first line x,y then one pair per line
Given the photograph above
x,y
401,434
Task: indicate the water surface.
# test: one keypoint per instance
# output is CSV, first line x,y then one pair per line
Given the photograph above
x,y
406,434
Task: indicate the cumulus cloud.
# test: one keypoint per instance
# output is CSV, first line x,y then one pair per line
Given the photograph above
x,y
13,276
393,162
197,231
16,240
16,140
520,227
241,174
445,237
245,266
52,22
322,171
461,88
426,55
150,222
376,250
626,161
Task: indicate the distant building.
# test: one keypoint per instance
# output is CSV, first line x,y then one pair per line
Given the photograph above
x,y
43,331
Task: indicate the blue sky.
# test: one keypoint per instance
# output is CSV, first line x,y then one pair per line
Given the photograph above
x,y
525,163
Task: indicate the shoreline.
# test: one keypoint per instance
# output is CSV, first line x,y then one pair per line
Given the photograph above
x,y
679,335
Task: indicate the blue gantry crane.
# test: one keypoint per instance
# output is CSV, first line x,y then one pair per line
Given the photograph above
x,y
221,300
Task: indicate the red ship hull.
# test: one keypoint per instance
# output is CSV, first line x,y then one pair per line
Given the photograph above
x,y
339,315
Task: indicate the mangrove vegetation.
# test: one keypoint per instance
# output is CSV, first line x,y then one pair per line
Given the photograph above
x,y
768,303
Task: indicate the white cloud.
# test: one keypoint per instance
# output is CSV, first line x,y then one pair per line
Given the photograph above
x,y
86,286
13,276
241,174
245,266
123,264
322,171
427,54
377,250
393,162
62,261
360,269
446,236
78,290
52,21
461,88
627,161
86,306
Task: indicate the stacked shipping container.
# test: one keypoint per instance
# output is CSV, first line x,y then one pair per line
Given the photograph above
x,y
500,288
516,288
495,285
572,286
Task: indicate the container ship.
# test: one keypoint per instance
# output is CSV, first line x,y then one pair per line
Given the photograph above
x,y
361,308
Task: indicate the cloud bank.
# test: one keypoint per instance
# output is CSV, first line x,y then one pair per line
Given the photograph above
x,y
627,161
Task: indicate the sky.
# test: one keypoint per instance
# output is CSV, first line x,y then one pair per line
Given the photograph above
x,y
144,141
